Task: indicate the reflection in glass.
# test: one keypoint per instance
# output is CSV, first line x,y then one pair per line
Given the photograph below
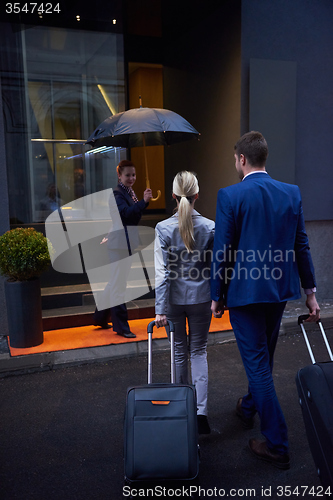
x,y
69,82
69,173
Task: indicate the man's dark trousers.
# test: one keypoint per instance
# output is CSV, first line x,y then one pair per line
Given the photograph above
x,y
256,328
119,318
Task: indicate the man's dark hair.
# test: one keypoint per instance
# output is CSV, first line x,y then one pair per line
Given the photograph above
x,y
254,147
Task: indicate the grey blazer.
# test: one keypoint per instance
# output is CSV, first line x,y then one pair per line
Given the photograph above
x,y
182,277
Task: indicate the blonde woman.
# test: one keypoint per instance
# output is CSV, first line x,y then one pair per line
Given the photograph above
x,y
183,247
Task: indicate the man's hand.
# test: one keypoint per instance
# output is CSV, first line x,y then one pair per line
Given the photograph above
x,y
217,308
314,309
160,320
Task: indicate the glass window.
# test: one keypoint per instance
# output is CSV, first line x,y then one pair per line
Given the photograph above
x,y
68,82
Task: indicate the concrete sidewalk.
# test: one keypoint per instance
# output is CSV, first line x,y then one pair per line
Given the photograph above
x,y
62,431
56,359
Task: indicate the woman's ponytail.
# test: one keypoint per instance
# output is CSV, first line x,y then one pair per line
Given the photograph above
x,y
185,187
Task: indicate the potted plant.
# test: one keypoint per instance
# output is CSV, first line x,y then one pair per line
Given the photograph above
x,y
24,255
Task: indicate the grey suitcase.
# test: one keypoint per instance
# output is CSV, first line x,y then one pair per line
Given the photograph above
x,y
315,389
160,428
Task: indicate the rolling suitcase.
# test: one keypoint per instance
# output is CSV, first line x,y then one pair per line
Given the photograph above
x,y
160,428
315,389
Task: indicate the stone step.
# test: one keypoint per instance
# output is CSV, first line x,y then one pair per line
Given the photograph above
x,y
70,317
59,297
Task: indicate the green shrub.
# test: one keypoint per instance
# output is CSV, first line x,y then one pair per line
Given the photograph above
x,y
24,254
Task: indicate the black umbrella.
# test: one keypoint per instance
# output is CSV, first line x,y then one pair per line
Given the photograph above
x,y
143,127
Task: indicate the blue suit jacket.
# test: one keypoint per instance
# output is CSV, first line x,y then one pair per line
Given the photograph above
x,y
130,214
261,249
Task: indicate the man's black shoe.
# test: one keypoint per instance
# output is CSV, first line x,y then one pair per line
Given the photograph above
x,y
248,422
105,326
127,335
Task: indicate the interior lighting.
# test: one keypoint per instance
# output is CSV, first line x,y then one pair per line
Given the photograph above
x,y
107,100
103,149
93,151
97,150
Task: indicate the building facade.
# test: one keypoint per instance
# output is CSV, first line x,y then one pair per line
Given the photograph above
x,y
227,67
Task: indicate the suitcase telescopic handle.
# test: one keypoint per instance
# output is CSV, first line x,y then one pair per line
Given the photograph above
x,y
150,351
151,325
301,319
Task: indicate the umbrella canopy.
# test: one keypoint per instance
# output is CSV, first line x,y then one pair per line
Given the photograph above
x,y
142,127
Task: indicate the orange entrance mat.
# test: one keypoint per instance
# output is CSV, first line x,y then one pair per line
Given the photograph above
x,y
92,336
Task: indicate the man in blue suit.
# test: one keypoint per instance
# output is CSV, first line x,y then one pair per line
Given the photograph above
x,y
261,252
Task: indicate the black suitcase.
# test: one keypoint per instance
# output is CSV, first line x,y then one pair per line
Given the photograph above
x,y
160,428
315,389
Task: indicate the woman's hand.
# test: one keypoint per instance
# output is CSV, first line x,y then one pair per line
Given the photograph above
x,y
147,195
161,320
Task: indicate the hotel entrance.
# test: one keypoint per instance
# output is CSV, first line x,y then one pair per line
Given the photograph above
x,y
69,81
58,84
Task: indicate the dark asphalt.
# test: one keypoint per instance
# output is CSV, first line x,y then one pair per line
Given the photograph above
x,y
62,431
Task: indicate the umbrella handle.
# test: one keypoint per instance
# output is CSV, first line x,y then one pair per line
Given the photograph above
x,y
157,197
158,191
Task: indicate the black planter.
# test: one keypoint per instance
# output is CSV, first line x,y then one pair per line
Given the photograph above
x,y
24,311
